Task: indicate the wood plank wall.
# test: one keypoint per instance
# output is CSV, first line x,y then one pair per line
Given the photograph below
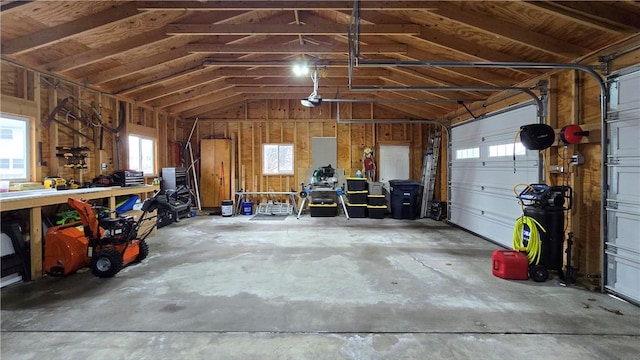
x,y
31,94
259,122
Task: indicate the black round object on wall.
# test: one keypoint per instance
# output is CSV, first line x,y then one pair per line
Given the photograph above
x,y
537,136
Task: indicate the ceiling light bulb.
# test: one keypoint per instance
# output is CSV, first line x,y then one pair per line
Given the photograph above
x,y
300,70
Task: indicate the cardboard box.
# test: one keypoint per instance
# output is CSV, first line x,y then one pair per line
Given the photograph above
x,y
144,227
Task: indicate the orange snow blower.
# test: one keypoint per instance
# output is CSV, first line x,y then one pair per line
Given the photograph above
x,y
106,244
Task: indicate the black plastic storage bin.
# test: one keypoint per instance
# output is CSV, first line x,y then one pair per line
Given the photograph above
x,y
376,200
357,210
357,197
404,199
323,210
356,184
377,211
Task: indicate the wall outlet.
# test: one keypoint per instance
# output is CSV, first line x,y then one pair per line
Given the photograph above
x,y
556,169
576,159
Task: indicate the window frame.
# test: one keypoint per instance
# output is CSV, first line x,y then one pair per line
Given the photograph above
x,y
154,153
279,171
26,171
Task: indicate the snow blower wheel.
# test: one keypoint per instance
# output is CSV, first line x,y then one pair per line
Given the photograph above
x,y
107,263
144,251
538,273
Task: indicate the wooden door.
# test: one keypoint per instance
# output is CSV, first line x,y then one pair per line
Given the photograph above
x,y
215,172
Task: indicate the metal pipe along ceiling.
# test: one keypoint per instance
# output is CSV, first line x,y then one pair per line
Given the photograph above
x,y
539,103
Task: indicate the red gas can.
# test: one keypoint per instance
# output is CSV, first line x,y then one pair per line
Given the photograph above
x,y
510,264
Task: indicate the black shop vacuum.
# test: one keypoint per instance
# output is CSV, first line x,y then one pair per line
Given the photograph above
x,y
540,230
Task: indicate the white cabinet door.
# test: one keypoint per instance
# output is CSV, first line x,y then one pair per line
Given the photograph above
x,y
483,173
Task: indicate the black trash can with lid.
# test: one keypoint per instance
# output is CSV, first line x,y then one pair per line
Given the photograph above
x,y
404,196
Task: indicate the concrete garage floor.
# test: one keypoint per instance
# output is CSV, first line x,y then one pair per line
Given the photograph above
x,y
313,288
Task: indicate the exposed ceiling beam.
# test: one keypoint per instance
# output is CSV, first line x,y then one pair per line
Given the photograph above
x,y
294,81
137,65
292,48
286,72
289,29
215,104
203,100
7,6
283,89
486,76
69,29
191,93
182,83
431,35
161,77
604,12
281,5
462,46
557,9
514,32
118,47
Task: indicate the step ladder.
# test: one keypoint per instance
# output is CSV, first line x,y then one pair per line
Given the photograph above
x,y
429,168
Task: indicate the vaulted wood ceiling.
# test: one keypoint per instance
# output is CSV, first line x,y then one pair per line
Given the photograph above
x,y
198,58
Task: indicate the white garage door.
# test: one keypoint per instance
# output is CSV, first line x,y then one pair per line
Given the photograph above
x,y
482,173
622,245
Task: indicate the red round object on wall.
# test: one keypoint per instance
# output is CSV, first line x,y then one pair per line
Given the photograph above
x,y
572,134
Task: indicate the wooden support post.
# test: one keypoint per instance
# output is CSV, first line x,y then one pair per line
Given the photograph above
x,y
35,221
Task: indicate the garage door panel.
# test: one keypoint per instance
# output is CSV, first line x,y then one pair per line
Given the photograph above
x,y
624,185
622,210
622,274
493,176
624,92
485,225
625,135
482,199
485,199
623,230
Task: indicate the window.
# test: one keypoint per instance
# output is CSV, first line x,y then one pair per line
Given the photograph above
x,y
14,142
470,153
506,150
141,154
6,134
277,159
18,163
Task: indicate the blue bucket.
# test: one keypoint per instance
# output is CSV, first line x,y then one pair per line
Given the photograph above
x,y
247,208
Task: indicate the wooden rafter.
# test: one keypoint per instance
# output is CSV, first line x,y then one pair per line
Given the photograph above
x,y
63,31
289,29
282,5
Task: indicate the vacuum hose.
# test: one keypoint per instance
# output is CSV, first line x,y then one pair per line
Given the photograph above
x,y
533,245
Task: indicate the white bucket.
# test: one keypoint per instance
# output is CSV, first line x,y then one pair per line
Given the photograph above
x,y
227,207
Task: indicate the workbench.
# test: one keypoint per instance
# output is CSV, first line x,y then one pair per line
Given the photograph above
x,y
34,200
241,196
